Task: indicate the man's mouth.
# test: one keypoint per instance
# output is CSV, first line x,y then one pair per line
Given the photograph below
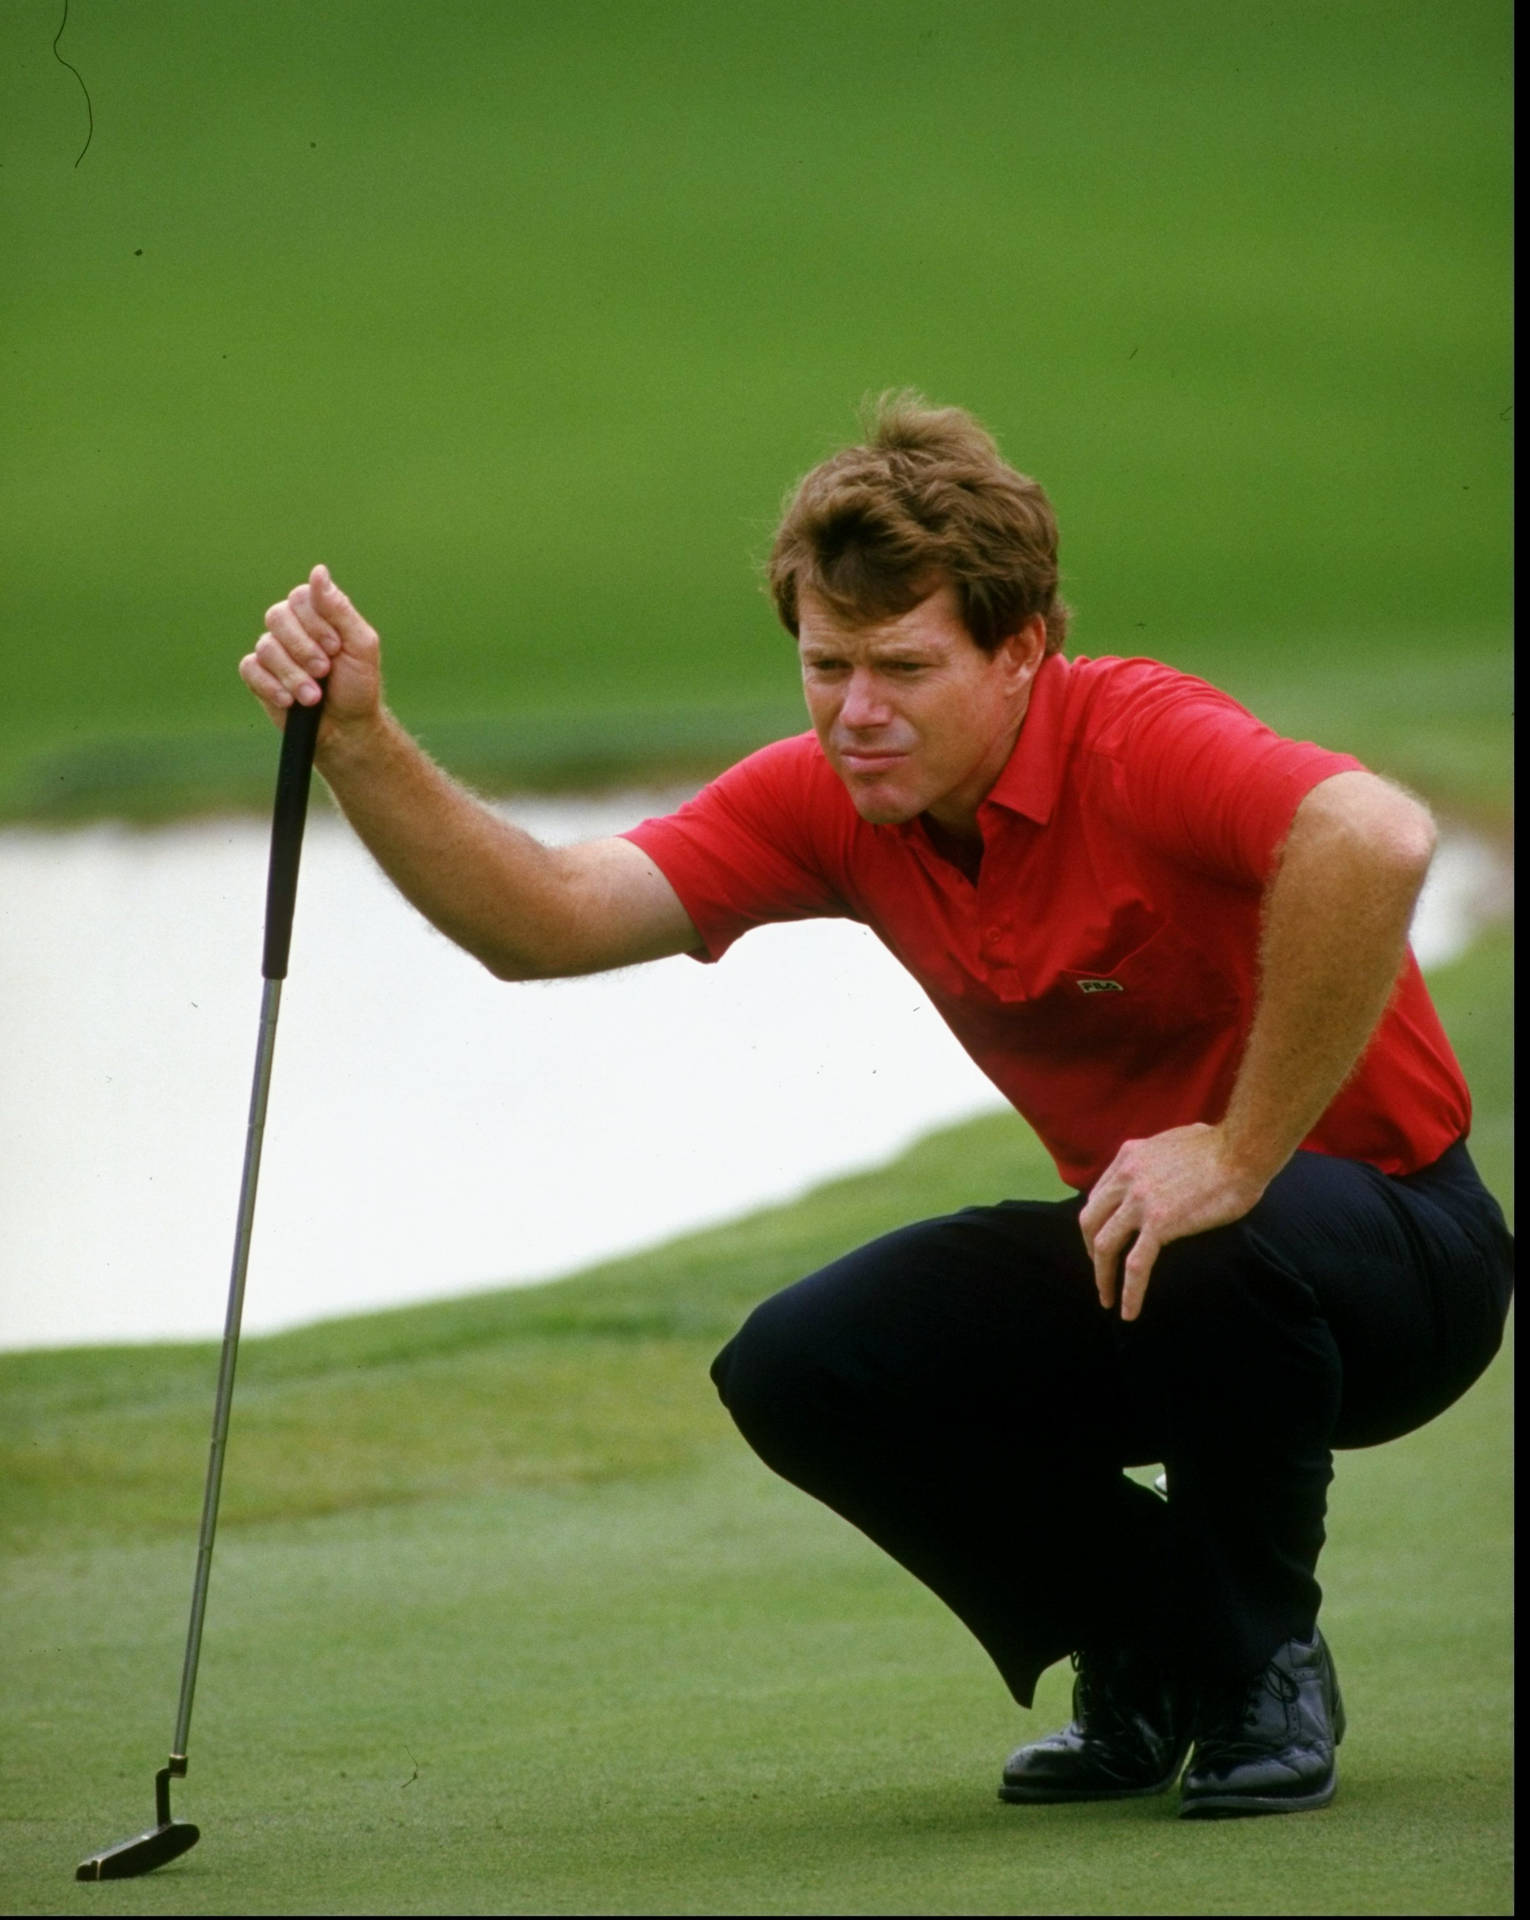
x,y
869,759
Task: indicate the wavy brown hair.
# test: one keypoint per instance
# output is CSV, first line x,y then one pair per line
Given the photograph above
x,y
927,499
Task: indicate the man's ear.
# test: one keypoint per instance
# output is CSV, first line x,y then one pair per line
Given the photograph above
x,y
1025,649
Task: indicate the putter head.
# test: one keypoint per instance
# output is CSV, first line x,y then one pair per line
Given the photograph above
x,y
142,1854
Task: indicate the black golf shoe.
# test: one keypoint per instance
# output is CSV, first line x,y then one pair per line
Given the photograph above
x,y
1267,1745
1129,1735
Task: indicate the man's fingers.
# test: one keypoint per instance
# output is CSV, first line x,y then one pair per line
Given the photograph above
x,y
1155,1192
1092,1222
309,618
293,636
314,638
1108,1245
289,677
1136,1271
333,606
267,689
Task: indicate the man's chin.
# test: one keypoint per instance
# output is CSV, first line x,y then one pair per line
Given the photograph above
x,y
881,796
881,809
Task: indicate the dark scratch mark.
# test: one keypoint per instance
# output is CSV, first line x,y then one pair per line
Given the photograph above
x,y
416,1774
1133,354
89,110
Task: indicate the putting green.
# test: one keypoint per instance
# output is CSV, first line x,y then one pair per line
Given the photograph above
x,y
702,1695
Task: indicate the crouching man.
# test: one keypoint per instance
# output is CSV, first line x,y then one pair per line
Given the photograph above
x,y
1177,943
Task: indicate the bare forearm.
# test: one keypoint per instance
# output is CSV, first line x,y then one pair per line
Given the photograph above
x,y
1335,932
527,911
483,882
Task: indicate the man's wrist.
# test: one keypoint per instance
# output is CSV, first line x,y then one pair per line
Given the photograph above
x,y
1251,1157
354,743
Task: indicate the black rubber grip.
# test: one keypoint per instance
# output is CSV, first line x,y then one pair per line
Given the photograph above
x,y
287,820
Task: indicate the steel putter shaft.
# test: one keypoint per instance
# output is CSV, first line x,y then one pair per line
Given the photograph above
x,y
169,1838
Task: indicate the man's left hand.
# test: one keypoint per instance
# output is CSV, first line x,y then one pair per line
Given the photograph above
x,y
1154,1191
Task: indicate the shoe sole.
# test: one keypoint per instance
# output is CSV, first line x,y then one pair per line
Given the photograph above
x,y
1042,1796
1036,1797
1235,1806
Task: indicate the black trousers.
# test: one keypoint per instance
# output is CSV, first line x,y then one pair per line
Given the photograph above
x,y
956,1391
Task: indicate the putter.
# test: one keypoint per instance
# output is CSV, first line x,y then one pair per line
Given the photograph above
x,y
167,1839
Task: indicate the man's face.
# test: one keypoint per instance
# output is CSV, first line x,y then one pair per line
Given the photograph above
x,y
913,715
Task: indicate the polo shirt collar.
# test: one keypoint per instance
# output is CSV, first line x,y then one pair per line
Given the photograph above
x,y
1033,773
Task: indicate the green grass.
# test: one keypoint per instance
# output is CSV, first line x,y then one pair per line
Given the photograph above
x,y
506,1620
703,1695
523,317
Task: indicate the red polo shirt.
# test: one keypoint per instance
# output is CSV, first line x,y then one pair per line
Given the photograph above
x,y
1102,970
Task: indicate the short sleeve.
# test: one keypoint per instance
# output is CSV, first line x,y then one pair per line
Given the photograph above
x,y
1199,777
748,849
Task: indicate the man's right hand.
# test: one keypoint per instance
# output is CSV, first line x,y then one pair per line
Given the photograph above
x,y
316,634
528,912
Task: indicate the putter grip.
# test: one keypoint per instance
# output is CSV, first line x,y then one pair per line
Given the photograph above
x,y
287,820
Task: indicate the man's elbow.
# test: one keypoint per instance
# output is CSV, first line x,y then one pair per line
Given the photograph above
x,y
562,956
1408,836
514,967
506,969
1379,822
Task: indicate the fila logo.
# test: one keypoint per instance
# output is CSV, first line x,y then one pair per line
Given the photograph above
x,y
1100,986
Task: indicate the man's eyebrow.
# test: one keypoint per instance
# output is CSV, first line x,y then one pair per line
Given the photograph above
x,y
900,647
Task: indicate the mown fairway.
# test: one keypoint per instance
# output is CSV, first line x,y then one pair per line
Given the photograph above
x,y
523,316
506,1620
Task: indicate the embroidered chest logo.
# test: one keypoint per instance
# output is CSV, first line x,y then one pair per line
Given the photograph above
x,y
1100,986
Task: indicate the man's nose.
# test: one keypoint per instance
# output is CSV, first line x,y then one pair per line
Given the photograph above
x,y
865,703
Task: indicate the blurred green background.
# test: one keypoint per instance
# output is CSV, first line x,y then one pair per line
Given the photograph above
x,y
523,316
